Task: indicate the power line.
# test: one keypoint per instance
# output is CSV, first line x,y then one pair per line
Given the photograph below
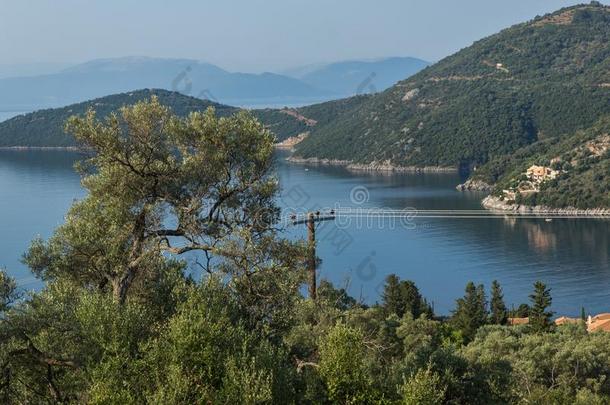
x,y
412,214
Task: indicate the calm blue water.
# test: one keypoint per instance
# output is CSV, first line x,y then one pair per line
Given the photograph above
x,y
36,189
440,255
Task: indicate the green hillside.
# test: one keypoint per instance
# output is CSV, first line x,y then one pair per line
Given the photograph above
x,y
45,128
539,80
536,89
583,160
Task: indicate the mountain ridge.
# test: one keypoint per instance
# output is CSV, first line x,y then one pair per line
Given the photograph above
x,y
502,93
491,109
360,76
101,77
45,128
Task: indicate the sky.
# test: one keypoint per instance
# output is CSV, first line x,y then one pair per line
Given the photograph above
x,y
252,35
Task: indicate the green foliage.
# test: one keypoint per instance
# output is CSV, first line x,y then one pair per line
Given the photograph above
x,y
471,311
343,367
280,123
67,344
115,289
8,291
540,316
206,354
585,181
498,312
242,332
548,367
523,311
465,110
423,388
401,297
208,176
338,298
45,128
205,349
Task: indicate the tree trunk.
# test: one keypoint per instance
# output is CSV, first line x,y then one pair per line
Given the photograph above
x,y
121,284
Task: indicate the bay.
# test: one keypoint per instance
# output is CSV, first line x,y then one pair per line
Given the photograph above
x,y
441,255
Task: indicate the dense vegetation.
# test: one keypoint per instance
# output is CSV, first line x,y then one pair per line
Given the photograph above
x,y
542,79
122,319
280,123
499,103
45,128
584,162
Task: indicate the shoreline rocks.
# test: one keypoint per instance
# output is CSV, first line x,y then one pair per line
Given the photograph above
x,y
373,166
474,185
493,203
24,148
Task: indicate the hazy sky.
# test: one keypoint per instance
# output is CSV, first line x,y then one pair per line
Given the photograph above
x,y
253,35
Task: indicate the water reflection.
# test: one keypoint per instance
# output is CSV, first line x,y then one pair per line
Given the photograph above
x,y
36,189
440,255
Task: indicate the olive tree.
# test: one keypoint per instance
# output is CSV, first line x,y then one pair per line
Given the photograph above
x,y
8,291
160,185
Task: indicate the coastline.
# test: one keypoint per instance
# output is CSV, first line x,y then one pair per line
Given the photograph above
x,y
290,143
474,185
26,148
373,166
493,203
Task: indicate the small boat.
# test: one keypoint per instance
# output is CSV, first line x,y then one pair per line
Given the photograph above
x,y
306,169
549,220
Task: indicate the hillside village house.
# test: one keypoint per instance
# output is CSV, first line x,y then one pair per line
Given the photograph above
x,y
600,322
564,320
536,175
541,173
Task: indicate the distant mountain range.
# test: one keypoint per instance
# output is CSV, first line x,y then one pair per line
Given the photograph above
x,y
358,77
102,77
537,93
29,69
110,76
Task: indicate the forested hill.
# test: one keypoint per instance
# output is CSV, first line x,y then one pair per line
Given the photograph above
x,y
534,81
45,128
539,82
581,159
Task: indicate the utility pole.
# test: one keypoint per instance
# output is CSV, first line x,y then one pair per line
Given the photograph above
x,y
311,259
310,220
